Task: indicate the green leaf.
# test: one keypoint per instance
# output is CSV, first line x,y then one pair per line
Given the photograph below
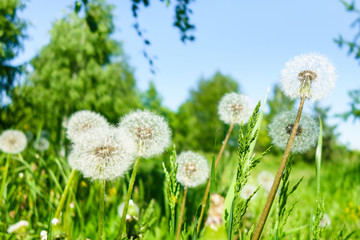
x,y
213,180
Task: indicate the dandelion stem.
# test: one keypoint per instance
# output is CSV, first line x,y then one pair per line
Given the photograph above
x,y
206,195
64,194
101,209
181,214
276,183
128,196
4,178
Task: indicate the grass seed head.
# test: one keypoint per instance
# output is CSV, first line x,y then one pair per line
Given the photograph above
x,y
234,107
309,75
13,141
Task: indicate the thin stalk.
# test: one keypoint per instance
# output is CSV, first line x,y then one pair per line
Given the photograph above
x,y
64,194
101,209
207,190
4,177
128,196
181,214
276,183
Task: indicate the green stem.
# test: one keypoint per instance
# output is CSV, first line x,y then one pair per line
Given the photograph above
x,y
4,178
181,214
128,196
64,194
101,210
276,183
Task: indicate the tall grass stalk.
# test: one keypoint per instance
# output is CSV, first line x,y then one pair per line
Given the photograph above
x,y
276,183
4,178
65,193
181,214
101,210
128,196
206,194
318,160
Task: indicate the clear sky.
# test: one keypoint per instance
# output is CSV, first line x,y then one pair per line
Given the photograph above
x,y
248,40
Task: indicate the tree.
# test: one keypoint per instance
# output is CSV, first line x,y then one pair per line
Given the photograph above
x,y
197,122
81,69
11,35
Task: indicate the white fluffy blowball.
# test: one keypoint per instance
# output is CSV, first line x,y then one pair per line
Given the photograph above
x,y
234,107
82,121
12,141
104,153
150,131
306,135
193,169
309,75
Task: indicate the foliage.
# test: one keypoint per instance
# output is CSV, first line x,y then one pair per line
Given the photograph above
x,y
355,105
11,37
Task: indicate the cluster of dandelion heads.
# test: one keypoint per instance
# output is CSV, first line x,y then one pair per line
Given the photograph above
x,y
150,131
83,121
265,179
193,169
104,153
236,108
12,141
309,75
306,135
41,145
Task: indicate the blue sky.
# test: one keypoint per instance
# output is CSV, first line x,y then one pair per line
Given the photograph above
x,y
248,40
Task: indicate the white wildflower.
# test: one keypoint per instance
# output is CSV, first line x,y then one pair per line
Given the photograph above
x,y
193,169
309,75
18,226
133,209
42,144
43,235
55,221
104,153
12,141
247,191
83,121
234,107
150,131
266,179
306,135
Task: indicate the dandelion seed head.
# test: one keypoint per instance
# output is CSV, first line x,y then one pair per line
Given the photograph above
x,y
266,179
104,153
150,131
133,209
309,75
325,221
82,121
12,141
306,135
43,235
247,191
41,145
193,169
16,227
234,107
55,221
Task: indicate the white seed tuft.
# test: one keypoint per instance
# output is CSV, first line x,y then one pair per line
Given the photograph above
x,y
325,221
265,179
234,107
133,209
12,141
309,75
306,136
150,131
18,226
193,169
247,191
41,145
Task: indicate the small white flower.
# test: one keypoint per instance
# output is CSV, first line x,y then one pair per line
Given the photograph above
x,y
247,191
309,75
21,175
193,169
18,226
266,179
234,107
103,153
55,221
42,144
150,131
133,210
325,221
306,135
83,121
12,141
43,235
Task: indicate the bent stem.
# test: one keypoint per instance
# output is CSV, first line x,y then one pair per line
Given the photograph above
x,y
276,183
63,197
101,209
4,178
206,195
181,214
128,196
